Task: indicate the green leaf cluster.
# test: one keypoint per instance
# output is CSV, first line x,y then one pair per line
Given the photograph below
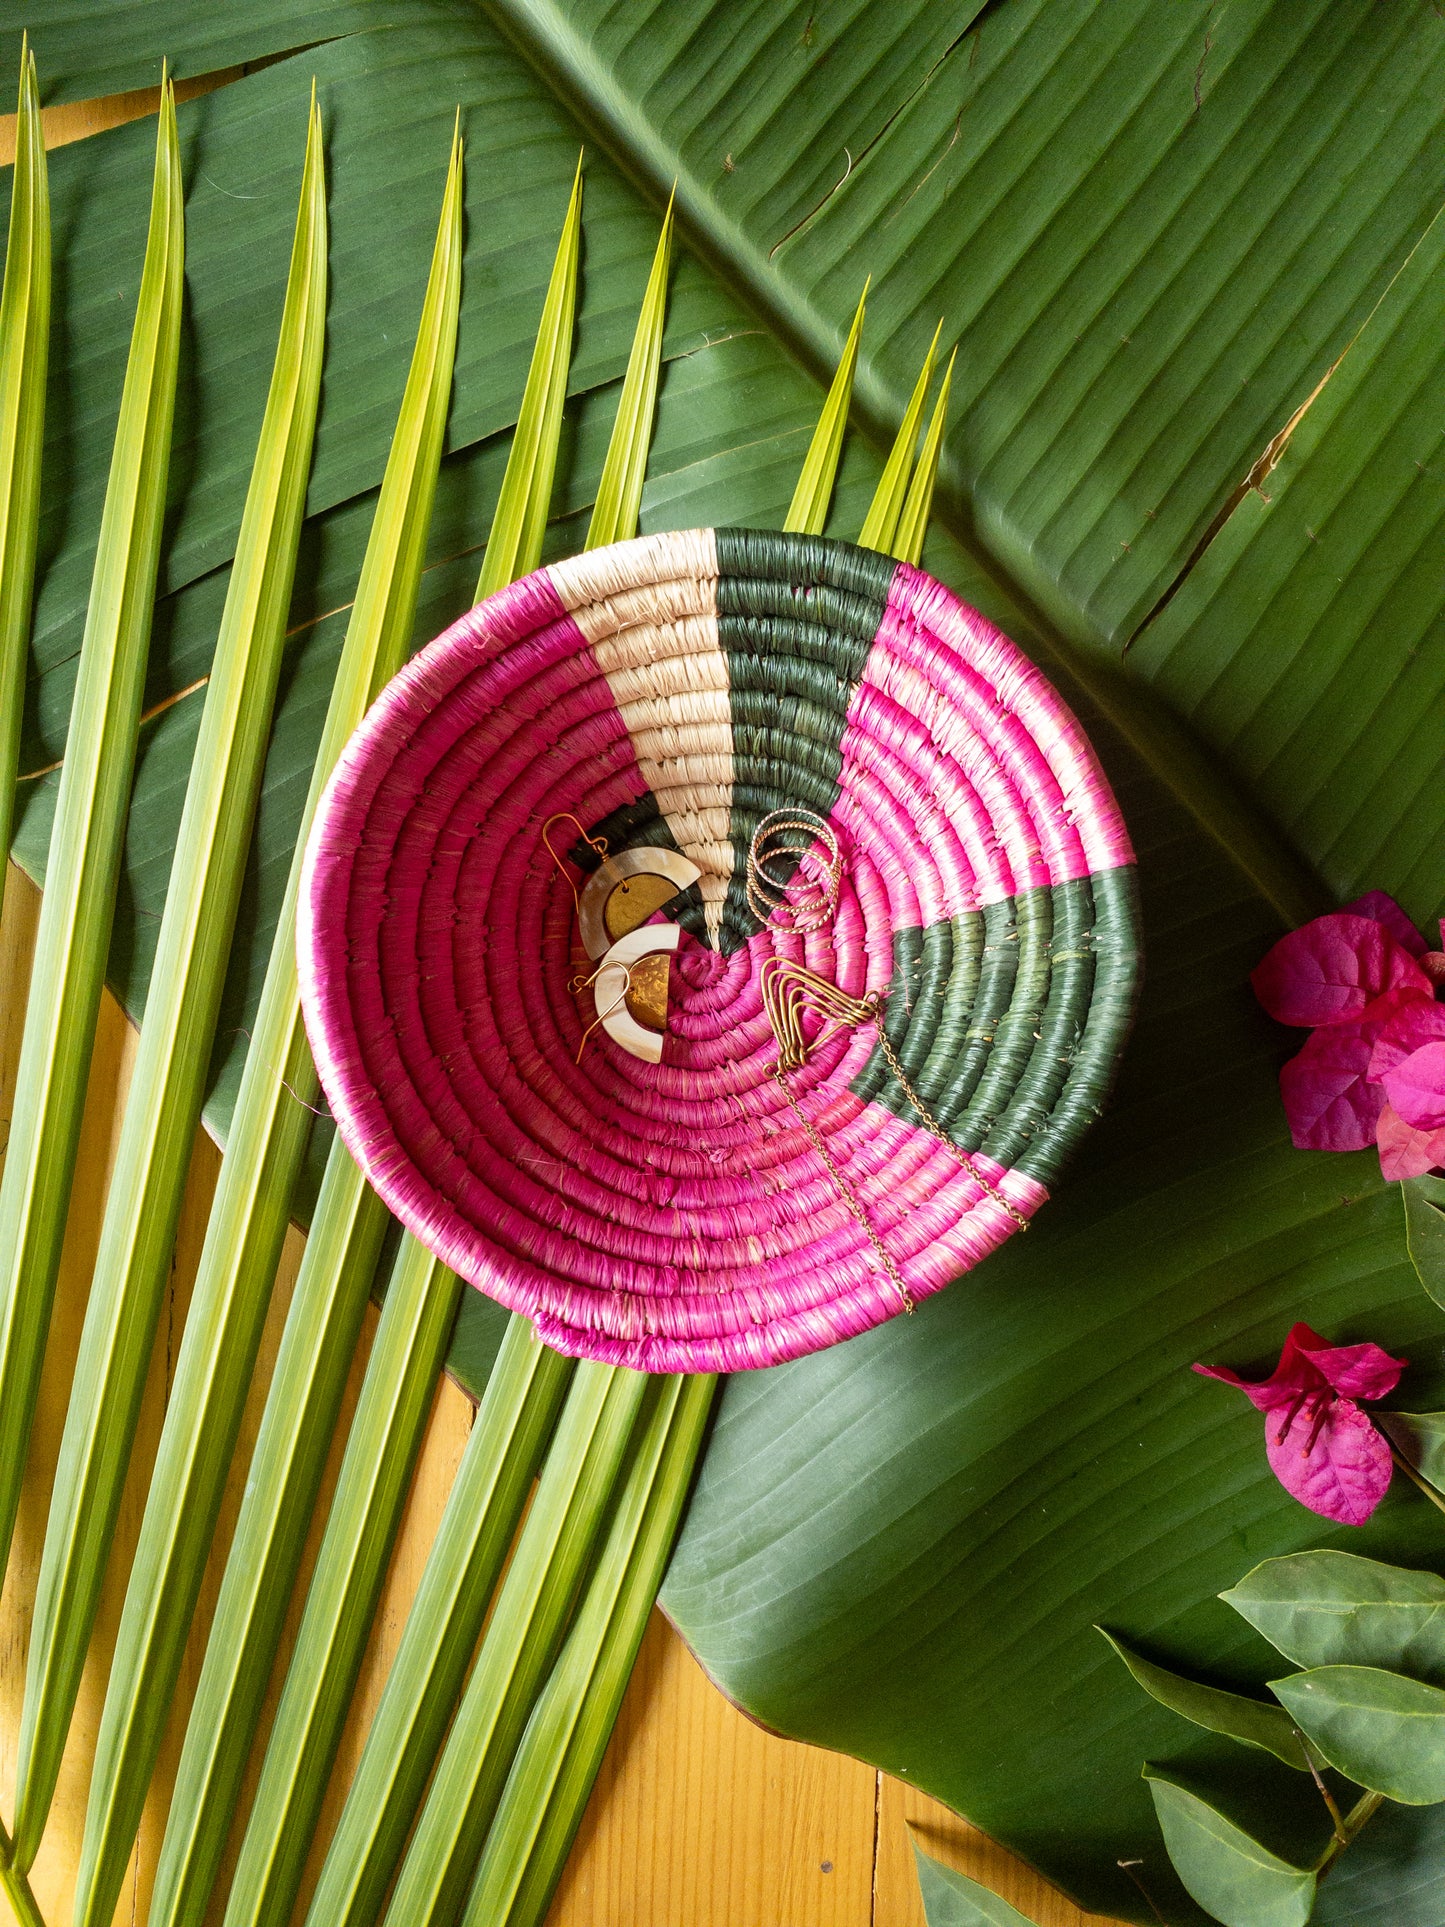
x,y
1368,1702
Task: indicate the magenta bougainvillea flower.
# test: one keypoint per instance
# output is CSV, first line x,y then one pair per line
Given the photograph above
x,y
1322,1447
1365,983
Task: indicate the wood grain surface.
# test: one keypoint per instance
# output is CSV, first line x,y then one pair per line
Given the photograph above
x,y
698,1819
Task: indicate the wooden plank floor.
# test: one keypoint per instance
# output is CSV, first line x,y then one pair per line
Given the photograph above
x,y
699,1818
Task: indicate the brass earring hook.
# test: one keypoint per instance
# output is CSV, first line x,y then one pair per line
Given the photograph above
x,y
596,843
579,984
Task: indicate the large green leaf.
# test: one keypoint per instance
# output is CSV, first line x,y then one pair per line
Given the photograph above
x,y
1425,1231
1151,228
1391,1875
97,47
1308,644
1153,231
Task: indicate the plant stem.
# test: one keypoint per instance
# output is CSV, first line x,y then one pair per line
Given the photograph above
x,y
1435,1498
1363,1811
15,1887
1336,1817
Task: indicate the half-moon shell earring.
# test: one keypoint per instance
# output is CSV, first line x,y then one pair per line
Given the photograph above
x,y
632,981
626,889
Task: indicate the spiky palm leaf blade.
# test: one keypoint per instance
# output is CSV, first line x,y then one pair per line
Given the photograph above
x,y
24,352
263,1155
163,1104
84,865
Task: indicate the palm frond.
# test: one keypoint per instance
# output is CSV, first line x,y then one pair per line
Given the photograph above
x,y
513,1427
619,493
263,1156
907,543
557,1762
880,525
514,547
569,1511
24,349
16,1888
86,840
303,1402
808,511
164,1101
381,1448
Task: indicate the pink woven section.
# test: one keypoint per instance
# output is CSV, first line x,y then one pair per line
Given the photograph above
x,y
668,1217
981,726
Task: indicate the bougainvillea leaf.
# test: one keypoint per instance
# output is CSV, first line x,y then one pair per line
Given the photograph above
x,y
1233,1876
1380,1729
1329,1608
1253,1722
953,1900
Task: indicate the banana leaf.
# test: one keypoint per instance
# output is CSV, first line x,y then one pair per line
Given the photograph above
x,y
1155,233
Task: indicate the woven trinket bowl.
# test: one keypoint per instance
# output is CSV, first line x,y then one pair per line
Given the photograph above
x,y
694,1214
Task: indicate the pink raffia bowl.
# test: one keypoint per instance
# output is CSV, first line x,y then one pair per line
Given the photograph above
x,y
678,1216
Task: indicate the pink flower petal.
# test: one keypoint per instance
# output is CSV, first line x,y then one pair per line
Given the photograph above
x,y
1342,1473
1416,1087
1433,965
1329,1101
1413,1021
1264,1396
1359,1371
1404,1151
1385,910
1331,968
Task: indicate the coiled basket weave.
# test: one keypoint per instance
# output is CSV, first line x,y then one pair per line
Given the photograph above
x,y
674,689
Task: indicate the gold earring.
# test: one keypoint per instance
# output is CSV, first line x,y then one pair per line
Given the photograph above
x,y
635,976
